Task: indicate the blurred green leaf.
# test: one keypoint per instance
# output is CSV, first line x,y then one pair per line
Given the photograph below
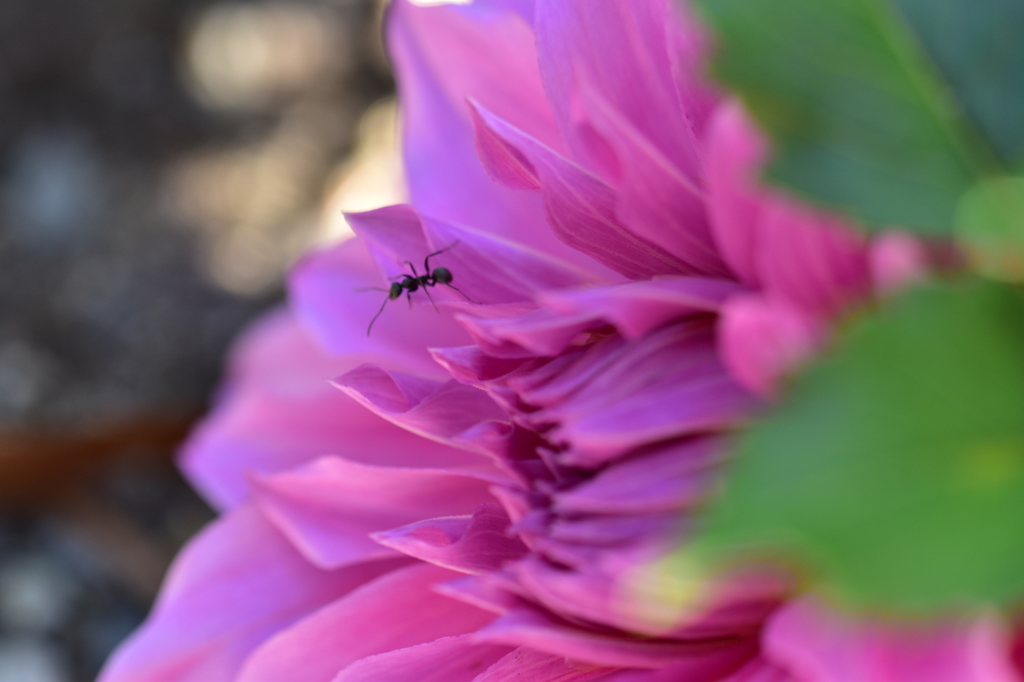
x,y
894,473
990,218
891,109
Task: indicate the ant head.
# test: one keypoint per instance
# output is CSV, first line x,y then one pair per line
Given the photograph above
x,y
395,291
442,275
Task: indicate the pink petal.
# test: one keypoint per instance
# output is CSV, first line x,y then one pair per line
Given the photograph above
x,y
618,595
324,296
811,259
537,630
635,309
279,411
234,585
486,268
735,152
763,340
442,56
473,544
638,308
329,508
670,478
449,659
667,410
897,260
756,670
527,665
818,645
620,47
397,610
657,201
689,47
580,207
435,410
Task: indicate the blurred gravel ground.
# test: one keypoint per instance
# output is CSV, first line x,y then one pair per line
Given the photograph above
x,y
161,163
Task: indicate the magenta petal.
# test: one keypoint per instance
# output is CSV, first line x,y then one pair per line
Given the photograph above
x,y
580,207
811,259
638,308
324,296
280,411
329,508
443,55
756,670
689,49
449,659
276,411
620,47
657,201
435,410
467,544
666,410
897,260
735,152
485,268
817,645
537,630
762,340
395,611
233,586
503,161
527,665
671,478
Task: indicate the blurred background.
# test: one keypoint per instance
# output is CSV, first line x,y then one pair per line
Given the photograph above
x,y
162,163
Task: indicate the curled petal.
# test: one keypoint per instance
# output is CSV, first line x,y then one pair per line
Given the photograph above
x,y
580,207
656,200
329,508
468,544
432,409
620,47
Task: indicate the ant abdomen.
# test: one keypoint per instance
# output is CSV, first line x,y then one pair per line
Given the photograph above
x,y
442,275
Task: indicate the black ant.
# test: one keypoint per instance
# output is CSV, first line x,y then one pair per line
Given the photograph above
x,y
411,283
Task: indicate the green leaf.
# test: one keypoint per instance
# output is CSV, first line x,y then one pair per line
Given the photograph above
x,y
890,109
894,472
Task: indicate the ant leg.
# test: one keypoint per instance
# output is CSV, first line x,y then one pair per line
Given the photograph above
x,y
411,267
377,315
463,295
431,298
408,296
426,261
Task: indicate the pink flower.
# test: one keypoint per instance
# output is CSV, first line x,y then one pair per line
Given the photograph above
x,y
493,493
